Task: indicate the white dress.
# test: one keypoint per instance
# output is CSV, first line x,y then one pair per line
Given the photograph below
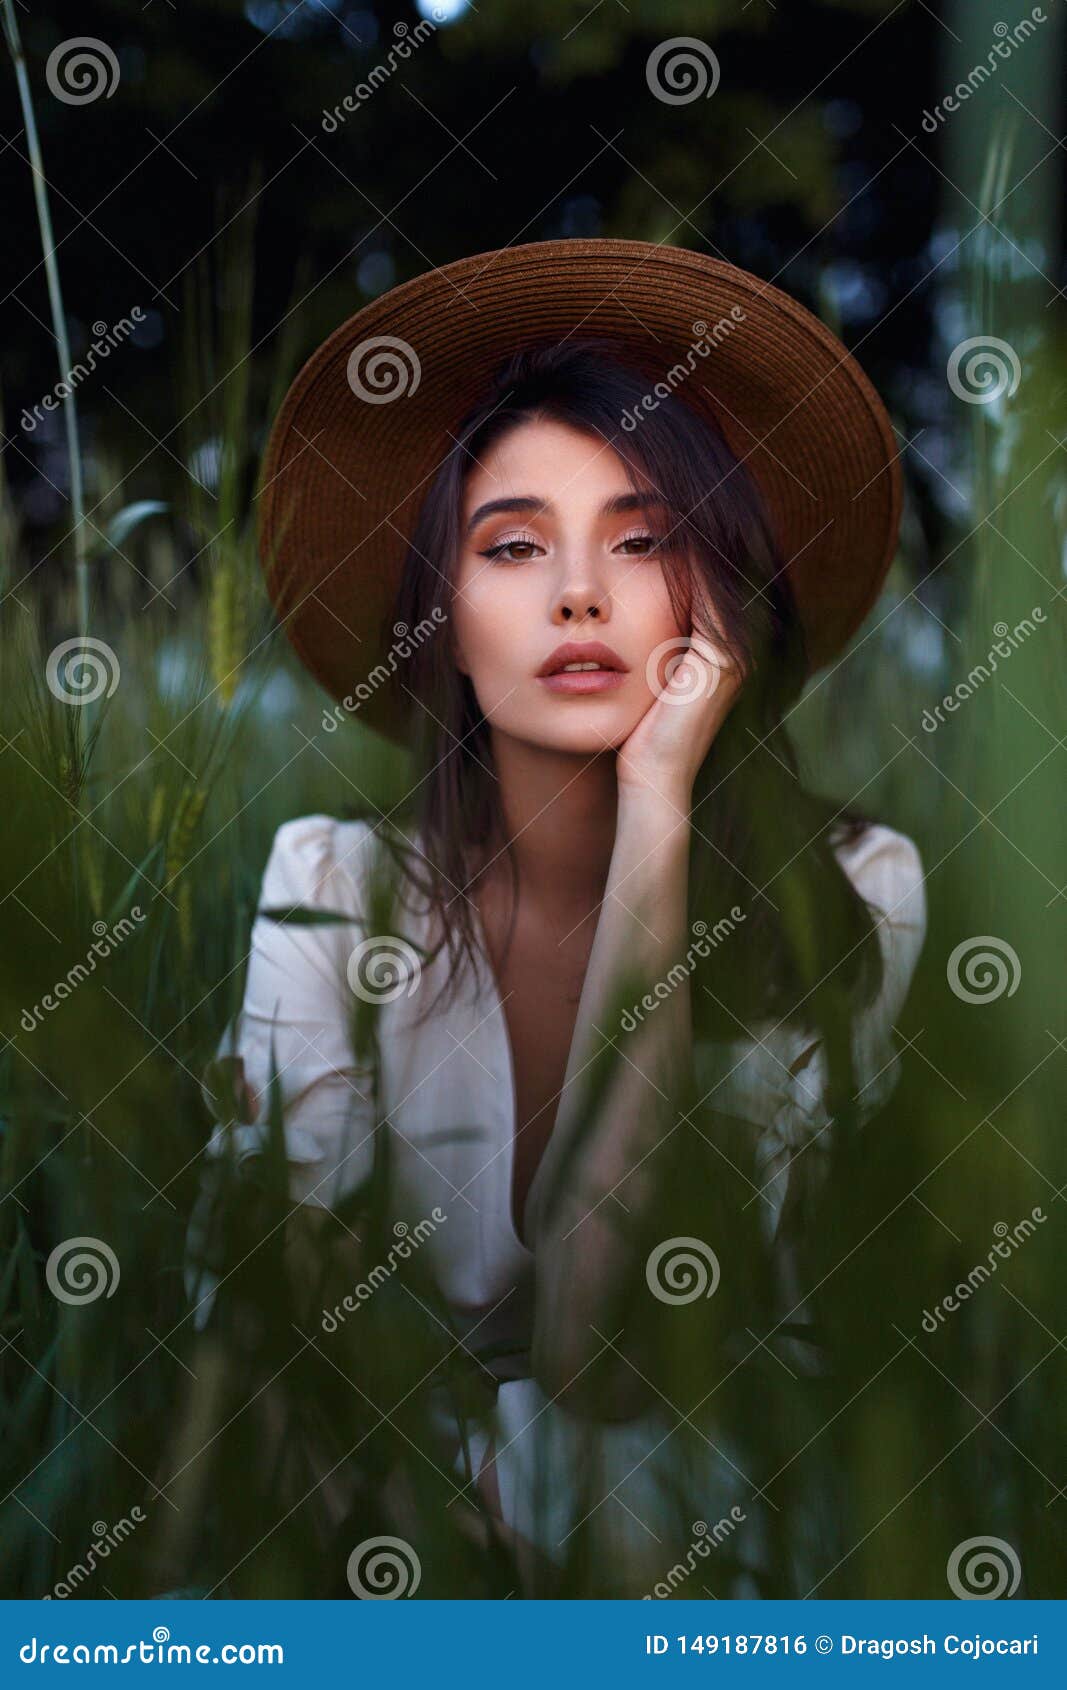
x,y
447,1090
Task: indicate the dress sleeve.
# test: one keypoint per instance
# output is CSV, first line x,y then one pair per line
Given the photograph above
x,y
779,1080
297,1002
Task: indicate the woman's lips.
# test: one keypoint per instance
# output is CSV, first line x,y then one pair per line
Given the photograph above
x,y
583,680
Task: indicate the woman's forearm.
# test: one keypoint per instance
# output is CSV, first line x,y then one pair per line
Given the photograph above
x,y
581,1250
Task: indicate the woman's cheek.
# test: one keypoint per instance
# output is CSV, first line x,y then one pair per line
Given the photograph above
x,y
495,631
653,615
487,656
469,616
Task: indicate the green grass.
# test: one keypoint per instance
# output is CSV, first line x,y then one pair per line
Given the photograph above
x,y
165,796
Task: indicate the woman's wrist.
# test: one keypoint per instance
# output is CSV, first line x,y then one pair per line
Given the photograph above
x,y
658,821
649,877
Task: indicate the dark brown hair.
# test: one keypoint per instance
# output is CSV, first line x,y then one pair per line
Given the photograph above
x,y
808,943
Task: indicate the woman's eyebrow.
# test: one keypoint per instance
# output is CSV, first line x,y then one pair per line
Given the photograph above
x,y
518,503
617,505
623,502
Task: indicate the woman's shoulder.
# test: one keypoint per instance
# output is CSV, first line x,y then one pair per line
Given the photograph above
x,y
318,859
333,864
886,868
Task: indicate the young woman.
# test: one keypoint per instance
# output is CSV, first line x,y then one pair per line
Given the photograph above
x,y
614,903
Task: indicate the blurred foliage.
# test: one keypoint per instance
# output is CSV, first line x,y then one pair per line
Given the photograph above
x,y
272,1456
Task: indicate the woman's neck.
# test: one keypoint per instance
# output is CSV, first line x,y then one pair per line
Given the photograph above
x,y
559,813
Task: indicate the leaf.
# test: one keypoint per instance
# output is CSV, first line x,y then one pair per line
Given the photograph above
x,y
124,902
300,916
123,524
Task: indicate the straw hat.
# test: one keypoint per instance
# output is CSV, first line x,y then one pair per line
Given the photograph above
x,y
372,414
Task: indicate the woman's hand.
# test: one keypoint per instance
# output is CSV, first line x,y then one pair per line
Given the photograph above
x,y
665,750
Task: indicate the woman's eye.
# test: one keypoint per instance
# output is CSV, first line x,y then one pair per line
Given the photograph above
x,y
520,548
644,542
509,547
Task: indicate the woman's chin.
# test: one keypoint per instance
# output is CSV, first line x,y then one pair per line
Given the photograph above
x,y
583,732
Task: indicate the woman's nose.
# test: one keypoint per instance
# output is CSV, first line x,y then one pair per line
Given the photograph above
x,y
572,610
580,594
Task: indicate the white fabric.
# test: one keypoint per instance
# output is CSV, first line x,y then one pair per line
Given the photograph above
x,y
447,1090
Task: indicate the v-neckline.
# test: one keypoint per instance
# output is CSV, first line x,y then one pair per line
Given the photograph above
x,y
507,1155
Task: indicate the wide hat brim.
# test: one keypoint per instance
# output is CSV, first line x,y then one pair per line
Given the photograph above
x,y
373,413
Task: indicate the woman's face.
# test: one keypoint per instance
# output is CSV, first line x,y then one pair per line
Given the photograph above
x,y
556,549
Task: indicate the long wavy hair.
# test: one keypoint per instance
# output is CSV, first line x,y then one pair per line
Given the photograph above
x,y
760,840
